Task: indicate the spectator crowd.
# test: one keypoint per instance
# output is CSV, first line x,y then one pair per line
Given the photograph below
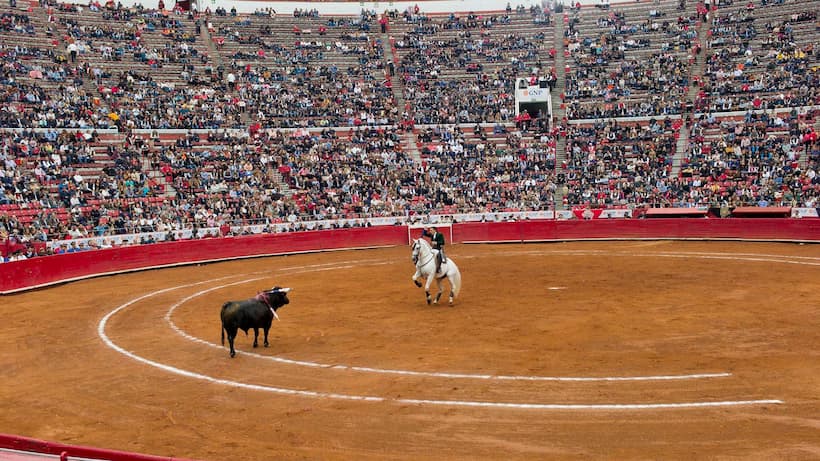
x,y
124,121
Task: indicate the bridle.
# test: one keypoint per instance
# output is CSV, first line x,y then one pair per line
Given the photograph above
x,y
416,251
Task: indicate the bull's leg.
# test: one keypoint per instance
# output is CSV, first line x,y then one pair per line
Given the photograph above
x,y
267,329
231,336
255,337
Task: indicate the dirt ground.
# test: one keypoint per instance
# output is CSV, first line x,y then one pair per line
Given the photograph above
x,y
133,362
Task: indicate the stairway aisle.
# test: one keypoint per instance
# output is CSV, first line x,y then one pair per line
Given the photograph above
x,y
558,111
696,69
409,139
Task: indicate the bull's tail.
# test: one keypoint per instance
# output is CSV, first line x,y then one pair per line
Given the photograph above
x,y
222,321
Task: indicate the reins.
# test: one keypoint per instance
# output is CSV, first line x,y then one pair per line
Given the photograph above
x,y
429,259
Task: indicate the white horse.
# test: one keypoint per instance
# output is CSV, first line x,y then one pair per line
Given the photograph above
x,y
424,257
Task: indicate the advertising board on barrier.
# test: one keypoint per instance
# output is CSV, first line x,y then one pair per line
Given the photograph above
x,y
616,213
600,213
501,216
805,212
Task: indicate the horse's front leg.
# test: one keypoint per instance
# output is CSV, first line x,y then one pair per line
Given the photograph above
x,y
415,278
427,286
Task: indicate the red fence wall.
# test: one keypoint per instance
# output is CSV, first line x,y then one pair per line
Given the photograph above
x,y
656,228
36,272
16,442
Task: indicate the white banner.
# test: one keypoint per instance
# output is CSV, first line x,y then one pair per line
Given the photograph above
x,y
532,94
805,213
500,216
616,213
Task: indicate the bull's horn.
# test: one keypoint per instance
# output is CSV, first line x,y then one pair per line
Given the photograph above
x,y
284,290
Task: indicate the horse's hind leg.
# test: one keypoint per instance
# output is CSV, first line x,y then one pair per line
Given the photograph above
x,y
438,295
427,286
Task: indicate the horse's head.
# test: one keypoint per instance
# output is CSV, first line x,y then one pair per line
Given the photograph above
x,y
420,249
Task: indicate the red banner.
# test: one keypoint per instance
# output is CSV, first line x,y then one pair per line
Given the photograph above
x,y
587,213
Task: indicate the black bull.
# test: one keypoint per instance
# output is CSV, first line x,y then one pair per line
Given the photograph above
x,y
253,313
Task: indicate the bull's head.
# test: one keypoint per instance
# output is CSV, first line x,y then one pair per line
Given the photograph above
x,y
278,297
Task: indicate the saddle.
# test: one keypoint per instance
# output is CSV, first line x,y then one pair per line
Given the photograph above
x,y
441,263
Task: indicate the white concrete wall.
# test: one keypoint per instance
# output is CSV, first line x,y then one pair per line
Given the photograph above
x,y
349,8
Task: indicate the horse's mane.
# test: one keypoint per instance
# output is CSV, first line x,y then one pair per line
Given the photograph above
x,y
424,242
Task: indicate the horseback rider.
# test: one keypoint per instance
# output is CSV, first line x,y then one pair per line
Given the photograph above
x,y
437,242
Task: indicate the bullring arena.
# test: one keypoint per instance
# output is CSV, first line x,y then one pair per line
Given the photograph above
x,y
631,191
585,350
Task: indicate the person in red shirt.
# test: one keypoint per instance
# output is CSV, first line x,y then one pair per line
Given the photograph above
x,y
522,120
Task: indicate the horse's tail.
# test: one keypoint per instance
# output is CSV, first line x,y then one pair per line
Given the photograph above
x,y
456,280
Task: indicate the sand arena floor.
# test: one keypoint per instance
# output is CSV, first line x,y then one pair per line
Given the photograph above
x,y
719,342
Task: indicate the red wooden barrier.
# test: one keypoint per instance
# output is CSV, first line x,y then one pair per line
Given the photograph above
x,y
21,275
15,442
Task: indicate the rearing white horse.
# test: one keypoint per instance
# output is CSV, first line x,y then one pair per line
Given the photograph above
x,y
424,257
